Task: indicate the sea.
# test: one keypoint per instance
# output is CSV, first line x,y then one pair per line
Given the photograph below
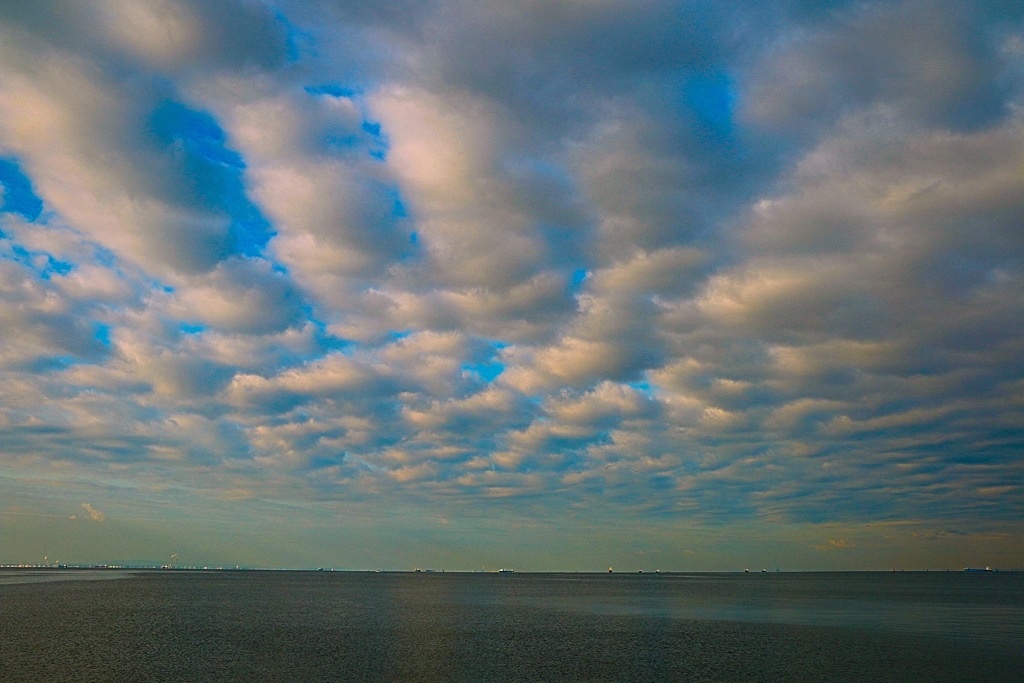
x,y
176,625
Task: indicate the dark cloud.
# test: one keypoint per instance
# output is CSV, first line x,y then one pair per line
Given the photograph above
x,y
931,61
168,36
240,295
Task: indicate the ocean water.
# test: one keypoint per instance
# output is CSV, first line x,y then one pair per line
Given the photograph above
x,y
339,626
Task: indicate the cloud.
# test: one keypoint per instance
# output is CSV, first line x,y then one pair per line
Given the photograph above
x,y
240,295
186,34
61,114
655,262
873,54
44,326
117,157
447,153
91,514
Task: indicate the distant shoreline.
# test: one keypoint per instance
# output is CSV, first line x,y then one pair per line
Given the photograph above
x,y
86,572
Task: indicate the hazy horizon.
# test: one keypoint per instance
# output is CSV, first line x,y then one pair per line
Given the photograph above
x,y
156,565
557,285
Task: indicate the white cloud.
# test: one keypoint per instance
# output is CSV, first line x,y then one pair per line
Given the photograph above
x,y
91,514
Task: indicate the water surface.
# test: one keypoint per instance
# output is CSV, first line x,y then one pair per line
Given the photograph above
x,y
326,626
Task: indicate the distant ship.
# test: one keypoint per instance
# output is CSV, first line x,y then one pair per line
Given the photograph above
x,y
979,569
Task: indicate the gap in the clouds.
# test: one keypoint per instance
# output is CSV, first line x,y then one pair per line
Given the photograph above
x,y
213,170
323,342
643,386
711,98
101,332
198,131
489,365
374,139
17,195
576,280
42,264
400,212
487,371
398,208
380,147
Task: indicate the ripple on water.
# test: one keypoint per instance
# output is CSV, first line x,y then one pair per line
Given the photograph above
x,y
262,626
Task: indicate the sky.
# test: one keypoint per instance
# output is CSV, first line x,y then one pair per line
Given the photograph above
x,y
536,284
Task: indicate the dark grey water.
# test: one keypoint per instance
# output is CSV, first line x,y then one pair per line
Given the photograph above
x,y
311,626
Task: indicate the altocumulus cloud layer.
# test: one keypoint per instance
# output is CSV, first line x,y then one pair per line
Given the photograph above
x,y
573,283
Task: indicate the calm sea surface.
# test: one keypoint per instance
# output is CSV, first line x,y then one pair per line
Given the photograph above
x,y
326,626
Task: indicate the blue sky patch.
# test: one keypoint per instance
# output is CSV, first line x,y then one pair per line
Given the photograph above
x,y
487,371
711,97
213,171
17,195
42,264
102,333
